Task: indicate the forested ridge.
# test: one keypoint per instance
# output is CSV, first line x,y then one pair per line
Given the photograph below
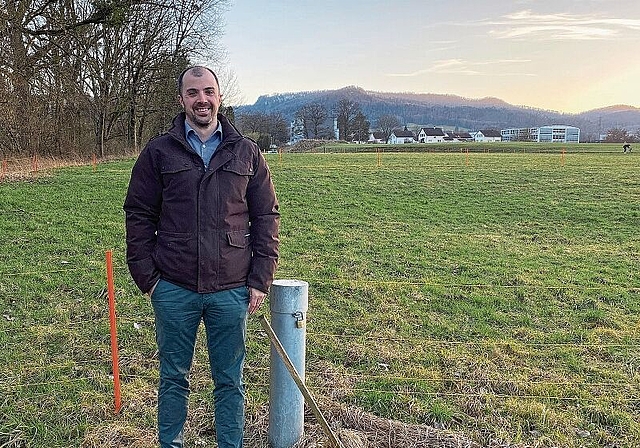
x,y
450,111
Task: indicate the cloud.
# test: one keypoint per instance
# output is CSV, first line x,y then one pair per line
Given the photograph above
x,y
463,67
562,26
436,46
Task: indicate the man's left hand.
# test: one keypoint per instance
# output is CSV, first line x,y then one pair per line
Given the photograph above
x,y
256,297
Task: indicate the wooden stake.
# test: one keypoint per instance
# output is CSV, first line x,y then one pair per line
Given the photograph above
x,y
296,378
114,333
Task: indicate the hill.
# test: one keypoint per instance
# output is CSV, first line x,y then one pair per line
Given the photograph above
x,y
450,111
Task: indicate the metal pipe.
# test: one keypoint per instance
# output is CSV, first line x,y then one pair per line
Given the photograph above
x,y
288,305
335,442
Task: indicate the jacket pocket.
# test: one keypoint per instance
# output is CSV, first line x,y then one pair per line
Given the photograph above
x,y
239,166
172,165
235,257
179,180
240,239
176,256
235,176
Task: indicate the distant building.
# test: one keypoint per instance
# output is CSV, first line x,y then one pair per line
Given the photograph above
x,y
430,135
452,136
377,137
297,131
464,137
559,134
556,133
487,135
401,136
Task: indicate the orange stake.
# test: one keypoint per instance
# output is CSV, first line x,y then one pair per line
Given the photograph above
x,y
114,333
95,162
34,163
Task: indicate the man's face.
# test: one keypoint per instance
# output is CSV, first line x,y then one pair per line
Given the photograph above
x,y
200,97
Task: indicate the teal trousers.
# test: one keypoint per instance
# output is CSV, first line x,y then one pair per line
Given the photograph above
x,y
178,313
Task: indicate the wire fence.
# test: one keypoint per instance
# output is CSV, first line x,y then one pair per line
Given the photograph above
x,y
39,374
12,168
14,376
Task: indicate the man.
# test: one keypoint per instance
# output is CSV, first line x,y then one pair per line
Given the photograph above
x,y
202,240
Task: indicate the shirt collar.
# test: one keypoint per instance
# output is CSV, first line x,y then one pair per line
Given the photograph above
x,y
188,129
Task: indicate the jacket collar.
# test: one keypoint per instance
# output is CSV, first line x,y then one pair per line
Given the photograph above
x,y
229,132
225,151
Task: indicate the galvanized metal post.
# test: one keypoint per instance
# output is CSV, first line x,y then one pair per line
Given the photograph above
x,y
288,304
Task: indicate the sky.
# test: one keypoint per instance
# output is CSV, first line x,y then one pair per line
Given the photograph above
x,y
562,55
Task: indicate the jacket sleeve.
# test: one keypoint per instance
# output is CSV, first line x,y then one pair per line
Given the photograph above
x,y
264,216
142,211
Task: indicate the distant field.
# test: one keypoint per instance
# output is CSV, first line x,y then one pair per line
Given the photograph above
x,y
494,294
501,147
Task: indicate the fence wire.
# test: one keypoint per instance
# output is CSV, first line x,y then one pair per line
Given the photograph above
x,y
13,376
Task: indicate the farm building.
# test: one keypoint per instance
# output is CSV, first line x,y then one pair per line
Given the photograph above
x,y
401,136
488,135
451,136
377,137
431,135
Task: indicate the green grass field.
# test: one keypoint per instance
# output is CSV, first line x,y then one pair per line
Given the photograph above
x,y
492,294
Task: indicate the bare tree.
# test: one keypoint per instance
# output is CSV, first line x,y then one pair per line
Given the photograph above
x,y
257,125
229,86
619,135
345,111
314,119
106,65
387,123
360,127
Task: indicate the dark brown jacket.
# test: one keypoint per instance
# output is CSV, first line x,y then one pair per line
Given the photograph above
x,y
206,231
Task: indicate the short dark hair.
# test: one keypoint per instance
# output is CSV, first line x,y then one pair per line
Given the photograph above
x,y
197,71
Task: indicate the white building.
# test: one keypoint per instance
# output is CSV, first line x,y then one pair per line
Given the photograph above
x,y
401,136
453,136
377,137
431,135
559,134
487,135
556,133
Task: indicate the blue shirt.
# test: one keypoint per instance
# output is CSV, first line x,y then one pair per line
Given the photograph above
x,y
204,149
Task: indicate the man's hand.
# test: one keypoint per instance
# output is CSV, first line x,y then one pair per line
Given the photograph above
x,y
256,297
